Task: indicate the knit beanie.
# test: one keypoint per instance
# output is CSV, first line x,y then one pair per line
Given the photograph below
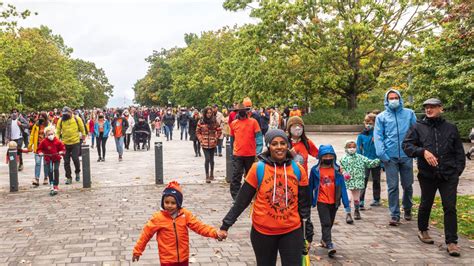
x,y
173,189
273,133
349,142
293,121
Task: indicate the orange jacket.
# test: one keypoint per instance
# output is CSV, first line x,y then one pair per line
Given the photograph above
x,y
172,235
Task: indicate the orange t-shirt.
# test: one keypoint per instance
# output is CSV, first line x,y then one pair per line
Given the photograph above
x,y
327,186
276,217
244,132
295,113
303,153
118,128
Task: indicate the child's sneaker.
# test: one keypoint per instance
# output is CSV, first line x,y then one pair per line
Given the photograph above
x,y
78,177
68,181
357,215
331,250
361,205
35,182
349,218
45,181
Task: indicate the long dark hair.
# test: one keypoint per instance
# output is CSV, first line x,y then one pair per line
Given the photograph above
x,y
211,122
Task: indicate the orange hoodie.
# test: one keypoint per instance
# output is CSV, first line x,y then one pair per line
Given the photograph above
x,y
172,235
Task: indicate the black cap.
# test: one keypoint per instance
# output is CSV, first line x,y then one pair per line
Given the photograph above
x,y
433,101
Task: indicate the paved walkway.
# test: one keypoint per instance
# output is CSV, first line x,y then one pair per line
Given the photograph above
x,y
101,225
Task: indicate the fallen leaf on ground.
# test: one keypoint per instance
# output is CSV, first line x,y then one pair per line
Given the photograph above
x,y
124,200
19,229
393,260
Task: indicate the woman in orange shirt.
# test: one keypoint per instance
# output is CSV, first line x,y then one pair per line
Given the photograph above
x,y
282,202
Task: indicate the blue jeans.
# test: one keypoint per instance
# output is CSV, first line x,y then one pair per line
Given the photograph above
x,y
51,169
395,169
184,129
119,145
92,140
38,160
169,132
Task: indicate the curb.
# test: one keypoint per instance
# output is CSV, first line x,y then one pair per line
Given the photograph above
x,y
333,128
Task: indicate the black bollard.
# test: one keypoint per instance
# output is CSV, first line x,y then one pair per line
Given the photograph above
x,y
228,162
158,163
86,166
13,167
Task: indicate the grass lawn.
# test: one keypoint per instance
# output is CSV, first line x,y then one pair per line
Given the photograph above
x,y
465,211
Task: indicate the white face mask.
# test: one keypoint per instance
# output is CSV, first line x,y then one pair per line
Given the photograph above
x,y
351,150
296,130
51,137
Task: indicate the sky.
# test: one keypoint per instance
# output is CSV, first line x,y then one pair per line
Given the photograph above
x,y
117,35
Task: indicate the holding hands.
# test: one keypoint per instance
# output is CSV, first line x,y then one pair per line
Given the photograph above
x,y
221,235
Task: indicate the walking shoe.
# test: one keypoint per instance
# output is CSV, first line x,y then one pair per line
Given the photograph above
x,y
349,218
35,182
375,203
120,158
468,156
407,214
45,181
220,154
331,250
323,244
425,237
100,159
78,177
453,250
208,180
20,168
394,221
103,159
68,181
357,215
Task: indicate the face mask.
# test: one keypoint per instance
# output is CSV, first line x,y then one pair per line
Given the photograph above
x,y
66,116
393,104
101,117
243,114
41,121
296,131
14,116
327,161
351,151
51,137
168,112
369,127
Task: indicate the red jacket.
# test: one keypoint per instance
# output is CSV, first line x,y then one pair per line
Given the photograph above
x,y
50,149
208,136
172,235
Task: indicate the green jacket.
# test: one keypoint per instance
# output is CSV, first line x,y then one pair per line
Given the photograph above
x,y
68,131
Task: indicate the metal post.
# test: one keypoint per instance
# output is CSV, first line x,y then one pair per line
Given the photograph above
x,y
86,167
13,167
228,162
158,163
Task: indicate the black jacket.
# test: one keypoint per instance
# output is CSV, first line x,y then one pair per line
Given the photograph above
x,y
247,193
440,138
168,120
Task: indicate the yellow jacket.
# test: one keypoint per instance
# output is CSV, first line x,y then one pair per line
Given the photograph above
x,y
68,131
34,136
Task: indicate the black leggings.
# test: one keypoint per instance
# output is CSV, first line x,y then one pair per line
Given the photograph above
x,y
101,141
209,160
197,147
289,245
327,214
127,140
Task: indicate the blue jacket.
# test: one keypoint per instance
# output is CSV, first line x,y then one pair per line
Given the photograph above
x,y
366,145
341,191
391,127
106,129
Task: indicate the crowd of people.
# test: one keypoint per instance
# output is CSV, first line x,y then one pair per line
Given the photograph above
x,y
270,150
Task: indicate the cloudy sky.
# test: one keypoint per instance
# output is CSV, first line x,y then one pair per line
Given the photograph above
x,y
117,35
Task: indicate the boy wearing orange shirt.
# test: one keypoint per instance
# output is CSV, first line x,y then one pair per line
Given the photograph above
x,y
327,188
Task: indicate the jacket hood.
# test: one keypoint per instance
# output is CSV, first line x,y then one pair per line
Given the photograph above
x,y
267,158
385,103
326,149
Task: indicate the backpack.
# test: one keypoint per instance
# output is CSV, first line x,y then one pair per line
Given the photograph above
x,y
261,171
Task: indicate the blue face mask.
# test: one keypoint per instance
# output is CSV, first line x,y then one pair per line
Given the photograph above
x,y
393,104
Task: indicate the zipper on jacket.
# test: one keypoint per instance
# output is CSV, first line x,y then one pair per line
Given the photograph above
x,y
398,136
176,235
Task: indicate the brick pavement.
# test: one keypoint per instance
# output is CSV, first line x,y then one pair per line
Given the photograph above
x,y
100,225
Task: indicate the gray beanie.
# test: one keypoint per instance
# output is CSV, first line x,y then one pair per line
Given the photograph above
x,y
273,133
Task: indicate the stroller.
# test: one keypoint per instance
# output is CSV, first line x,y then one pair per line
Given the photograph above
x,y
141,137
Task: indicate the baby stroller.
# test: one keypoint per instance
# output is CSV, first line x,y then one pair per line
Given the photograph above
x,y
141,137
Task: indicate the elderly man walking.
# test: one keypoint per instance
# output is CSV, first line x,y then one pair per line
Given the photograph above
x,y
437,145
391,126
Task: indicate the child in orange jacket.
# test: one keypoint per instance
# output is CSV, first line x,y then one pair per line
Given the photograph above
x,y
171,228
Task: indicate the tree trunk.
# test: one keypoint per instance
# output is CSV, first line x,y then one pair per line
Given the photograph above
x,y
352,101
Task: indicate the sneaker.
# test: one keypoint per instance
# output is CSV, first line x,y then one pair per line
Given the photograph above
x,y
78,177
220,154
375,203
394,221
35,182
208,179
99,160
357,215
323,244
120,158
349,218
468,156
331,250
20,168
425,237
45,181
68,181
407,214
103,159
453,250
